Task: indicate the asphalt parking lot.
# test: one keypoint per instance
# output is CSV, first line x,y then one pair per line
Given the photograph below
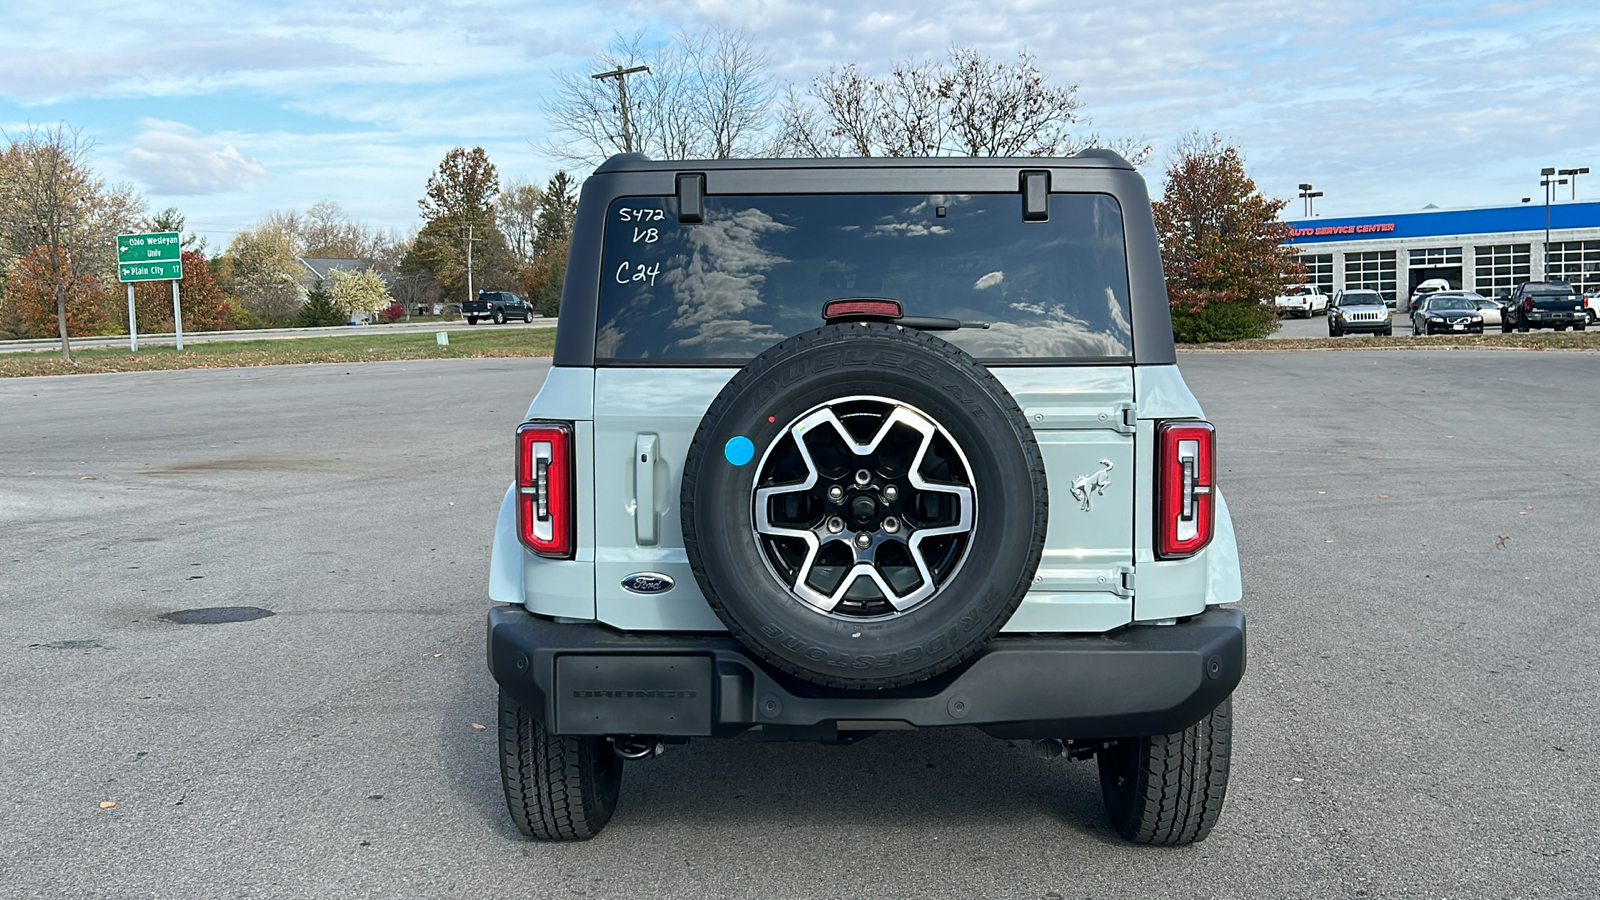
x,y
1418,718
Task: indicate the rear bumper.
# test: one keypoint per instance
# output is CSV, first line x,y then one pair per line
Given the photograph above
x,y
1143,679
1553,317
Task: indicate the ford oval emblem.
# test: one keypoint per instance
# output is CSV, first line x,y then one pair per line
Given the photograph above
x,y
647,583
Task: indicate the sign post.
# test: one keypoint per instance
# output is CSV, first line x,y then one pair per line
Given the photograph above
x,y
177,316
157,256
133,323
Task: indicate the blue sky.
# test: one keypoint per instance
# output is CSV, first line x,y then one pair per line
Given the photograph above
x,y
231,110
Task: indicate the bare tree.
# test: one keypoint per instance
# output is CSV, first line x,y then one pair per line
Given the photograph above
x,y
963,105
516,211
706,95
54,208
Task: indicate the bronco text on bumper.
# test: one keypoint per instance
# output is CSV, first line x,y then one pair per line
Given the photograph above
x,y
835,447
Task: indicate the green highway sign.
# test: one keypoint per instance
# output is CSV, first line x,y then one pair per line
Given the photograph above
x,y
159,247
154,271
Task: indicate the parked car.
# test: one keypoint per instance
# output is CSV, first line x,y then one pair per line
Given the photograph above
x,y
1427,287
1359,311
1544,304
1447,313
1591,307
497,306
852,487
1304,300
1490,308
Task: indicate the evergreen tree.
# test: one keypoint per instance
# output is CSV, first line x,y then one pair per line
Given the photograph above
x,y
320,310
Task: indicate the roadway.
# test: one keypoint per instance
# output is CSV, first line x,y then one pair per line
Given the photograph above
x,y
1417,719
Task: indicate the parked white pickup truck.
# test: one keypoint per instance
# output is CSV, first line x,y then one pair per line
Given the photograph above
x,y
1303,300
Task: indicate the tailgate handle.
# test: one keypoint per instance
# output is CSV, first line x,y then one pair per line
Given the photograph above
x,y
644,489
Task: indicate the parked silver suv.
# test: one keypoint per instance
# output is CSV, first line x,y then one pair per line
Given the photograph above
x,y
1359,311
831,447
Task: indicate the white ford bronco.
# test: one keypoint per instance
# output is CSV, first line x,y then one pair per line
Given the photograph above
x,y
831,447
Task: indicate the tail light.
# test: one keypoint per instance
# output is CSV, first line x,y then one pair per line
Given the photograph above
x,y
1185,508
545,501
1527,303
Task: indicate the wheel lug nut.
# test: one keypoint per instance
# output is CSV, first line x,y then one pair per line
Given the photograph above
x,y
863,540
863,477
835,525
891,493
891,525
836,493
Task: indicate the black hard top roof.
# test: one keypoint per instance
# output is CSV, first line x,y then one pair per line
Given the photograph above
x,y
1092,158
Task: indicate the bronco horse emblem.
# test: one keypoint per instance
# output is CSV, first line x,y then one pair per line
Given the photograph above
x,y
1095,482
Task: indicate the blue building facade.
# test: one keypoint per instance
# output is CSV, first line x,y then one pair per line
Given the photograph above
x,y
1489,250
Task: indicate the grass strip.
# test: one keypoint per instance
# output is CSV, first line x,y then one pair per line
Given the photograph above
x,y
284,352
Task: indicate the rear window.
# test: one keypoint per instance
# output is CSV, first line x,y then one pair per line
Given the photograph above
x,y
759,269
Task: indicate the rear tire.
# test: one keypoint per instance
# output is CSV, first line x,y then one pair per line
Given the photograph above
x,y
499,317
472,320
1167,789
558,788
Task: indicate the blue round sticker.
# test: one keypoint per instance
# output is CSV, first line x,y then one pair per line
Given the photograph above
x,y
739,450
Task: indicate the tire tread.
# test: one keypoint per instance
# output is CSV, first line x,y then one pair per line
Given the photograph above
x,y
555,785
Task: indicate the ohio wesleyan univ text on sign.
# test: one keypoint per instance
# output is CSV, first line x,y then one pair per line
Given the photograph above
x,y
149,257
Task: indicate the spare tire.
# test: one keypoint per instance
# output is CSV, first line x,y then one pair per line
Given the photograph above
x,y
864,505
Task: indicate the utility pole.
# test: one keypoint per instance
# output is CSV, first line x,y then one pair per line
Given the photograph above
x,y
621,75
470,241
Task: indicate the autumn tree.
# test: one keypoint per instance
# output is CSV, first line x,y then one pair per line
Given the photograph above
x,y
1223,245
264,271
459,206
965,104
32,299
58,220
361,291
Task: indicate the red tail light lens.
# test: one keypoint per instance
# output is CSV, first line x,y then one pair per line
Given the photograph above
x,y
545,496
1527,303
1185,508
834,309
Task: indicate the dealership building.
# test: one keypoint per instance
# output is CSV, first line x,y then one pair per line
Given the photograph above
x,y
1488,250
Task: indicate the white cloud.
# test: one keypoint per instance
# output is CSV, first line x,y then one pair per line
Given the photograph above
x,y
172,158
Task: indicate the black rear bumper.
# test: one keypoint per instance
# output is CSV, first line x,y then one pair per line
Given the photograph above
x,y
1143,679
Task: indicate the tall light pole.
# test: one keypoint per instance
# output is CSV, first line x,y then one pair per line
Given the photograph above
x,y
1308,198
1548,181
621,75
1574,173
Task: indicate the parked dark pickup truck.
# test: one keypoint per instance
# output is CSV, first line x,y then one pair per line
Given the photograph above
x,y
1541,304
497,306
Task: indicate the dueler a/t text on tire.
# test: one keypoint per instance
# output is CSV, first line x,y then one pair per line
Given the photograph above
x,y
864,505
